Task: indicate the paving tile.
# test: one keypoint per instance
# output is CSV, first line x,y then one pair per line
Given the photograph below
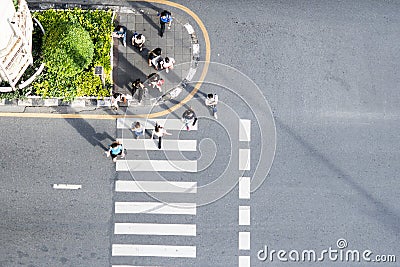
x,y
170,50
139,19
178,49
132,64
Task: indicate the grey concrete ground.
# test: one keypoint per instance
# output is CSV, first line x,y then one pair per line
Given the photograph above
x,y
42,226
329,69
330,72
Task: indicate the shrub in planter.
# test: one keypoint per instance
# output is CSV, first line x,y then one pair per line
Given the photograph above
x,y
53,82
67,49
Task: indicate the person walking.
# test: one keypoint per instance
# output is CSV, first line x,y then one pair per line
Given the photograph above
x,y
138,41
168,63
155,59
159,131
189,118
165,17
155,81
212,101
120,32
137,130
116,98
115,150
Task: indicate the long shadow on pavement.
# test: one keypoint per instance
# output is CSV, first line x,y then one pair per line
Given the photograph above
x,y
145,16
89,133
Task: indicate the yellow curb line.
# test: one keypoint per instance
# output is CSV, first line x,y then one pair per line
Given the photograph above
x,y
151,115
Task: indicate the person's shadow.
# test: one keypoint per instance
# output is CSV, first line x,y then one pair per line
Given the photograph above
x,y
89,133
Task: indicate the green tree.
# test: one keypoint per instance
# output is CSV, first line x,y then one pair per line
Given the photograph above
x,y
67,49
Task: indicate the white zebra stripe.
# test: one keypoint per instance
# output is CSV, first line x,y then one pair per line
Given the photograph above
x,y
156,186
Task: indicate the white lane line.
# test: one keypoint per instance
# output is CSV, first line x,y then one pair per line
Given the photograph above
x,y
67,186
244,130
156,186
155,208
244,261
244,159
244,240
168,124
154,229
244,215
153,251
157,165
134,266
167,144
244,188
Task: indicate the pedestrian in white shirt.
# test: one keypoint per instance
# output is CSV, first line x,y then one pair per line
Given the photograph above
x,y
138,40
159,131
168,63
212,101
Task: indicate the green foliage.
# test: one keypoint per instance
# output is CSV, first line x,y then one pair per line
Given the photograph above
x,y
90,84
98,25
18,94
15,2
67,49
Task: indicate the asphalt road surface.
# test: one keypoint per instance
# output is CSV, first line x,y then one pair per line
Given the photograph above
x,y
330,72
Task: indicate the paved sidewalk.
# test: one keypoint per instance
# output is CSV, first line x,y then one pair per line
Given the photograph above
x,y
131,64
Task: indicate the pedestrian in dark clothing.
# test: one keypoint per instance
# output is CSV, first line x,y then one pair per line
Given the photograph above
x,y
189,118
138,41
138,86
155,59
165,17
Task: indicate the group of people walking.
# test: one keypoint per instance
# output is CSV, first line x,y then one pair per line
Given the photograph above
x,y
189,118
154,81
154,57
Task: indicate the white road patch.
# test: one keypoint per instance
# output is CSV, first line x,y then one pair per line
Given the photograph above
x,y
157,165
244,130
244,215
244,188
155,208
67,186
156,187
244,240
155,229
244,261
244,159
167,144
154,251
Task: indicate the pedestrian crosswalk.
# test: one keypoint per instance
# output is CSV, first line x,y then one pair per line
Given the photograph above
x,y
153,250
148,144
155,229
170,124
146,231
155,208
156,186
157,165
